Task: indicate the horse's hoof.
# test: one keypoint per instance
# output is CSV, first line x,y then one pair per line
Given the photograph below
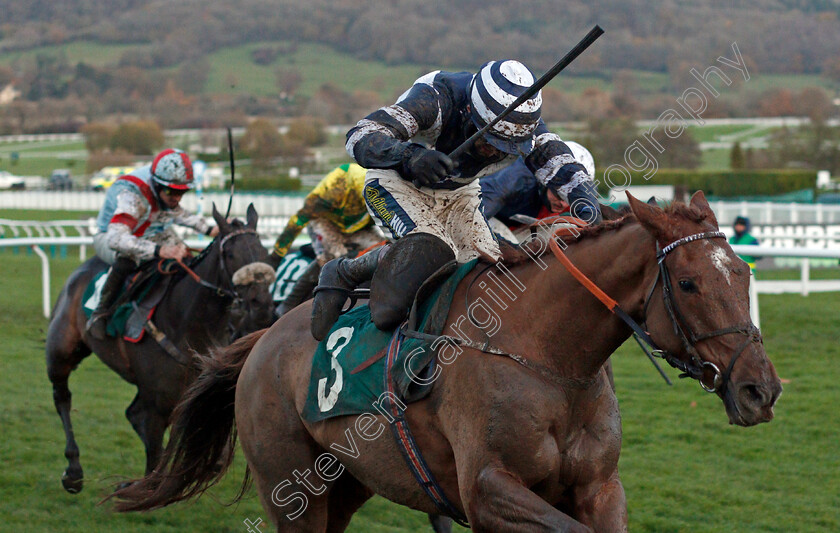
x,y
73,486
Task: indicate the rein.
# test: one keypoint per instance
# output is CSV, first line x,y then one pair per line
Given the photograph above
x,y
696,367
486,347
218,290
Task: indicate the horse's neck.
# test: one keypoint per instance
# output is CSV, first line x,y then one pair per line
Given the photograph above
x,y
197,311
573,332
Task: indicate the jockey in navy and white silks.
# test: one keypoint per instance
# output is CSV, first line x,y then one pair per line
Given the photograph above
x,y
413,186
515,190
431,204
134,224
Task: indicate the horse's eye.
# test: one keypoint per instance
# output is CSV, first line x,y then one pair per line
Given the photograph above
x,y
686,285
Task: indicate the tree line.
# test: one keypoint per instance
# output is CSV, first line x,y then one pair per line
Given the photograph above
x,y
781,36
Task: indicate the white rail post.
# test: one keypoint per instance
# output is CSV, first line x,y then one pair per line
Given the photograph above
x,y
806,274
82,249
45,279
754,314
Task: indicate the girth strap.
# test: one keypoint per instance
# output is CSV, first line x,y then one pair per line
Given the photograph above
x,y
163,341
408,446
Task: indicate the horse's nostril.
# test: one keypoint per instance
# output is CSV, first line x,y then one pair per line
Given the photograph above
x,y
755,394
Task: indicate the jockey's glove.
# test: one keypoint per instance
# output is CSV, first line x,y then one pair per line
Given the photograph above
x,y
586,210
274,259
583,203
426,167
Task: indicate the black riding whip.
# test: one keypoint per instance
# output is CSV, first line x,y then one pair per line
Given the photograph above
x,y
232,172
584,43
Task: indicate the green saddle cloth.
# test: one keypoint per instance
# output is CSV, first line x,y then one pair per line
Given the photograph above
x,y
337,384
116,325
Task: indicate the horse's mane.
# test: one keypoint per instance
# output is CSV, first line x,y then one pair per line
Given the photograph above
x,y
513,255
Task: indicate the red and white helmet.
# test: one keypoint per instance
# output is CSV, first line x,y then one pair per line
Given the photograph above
x,y
173,169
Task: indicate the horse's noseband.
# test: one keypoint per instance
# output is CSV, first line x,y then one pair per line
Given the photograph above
x,y
696,367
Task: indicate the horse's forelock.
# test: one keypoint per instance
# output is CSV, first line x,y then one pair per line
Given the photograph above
x,y
685,212
237,224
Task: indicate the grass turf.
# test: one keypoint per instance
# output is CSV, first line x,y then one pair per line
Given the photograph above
x,y
683,467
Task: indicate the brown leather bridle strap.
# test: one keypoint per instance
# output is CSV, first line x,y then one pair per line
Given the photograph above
x,y
220,291
694,368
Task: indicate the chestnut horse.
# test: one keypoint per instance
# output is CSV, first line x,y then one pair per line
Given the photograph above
x,y
517,443
191,316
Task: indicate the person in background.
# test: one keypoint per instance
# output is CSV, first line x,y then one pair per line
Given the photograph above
x,y
337,220
742,236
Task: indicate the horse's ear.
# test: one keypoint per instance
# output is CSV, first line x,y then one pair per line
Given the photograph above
x,y
251,216
651,217
699,202
220,220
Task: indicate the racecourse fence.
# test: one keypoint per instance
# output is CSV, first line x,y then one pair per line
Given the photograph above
x,y
269,226
760,213
804,286
777,213
265,204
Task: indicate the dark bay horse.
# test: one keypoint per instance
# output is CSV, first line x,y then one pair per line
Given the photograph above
x,y
527,443
193,318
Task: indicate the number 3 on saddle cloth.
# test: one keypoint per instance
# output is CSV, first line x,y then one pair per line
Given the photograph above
x,y
351,369
135,305
360,369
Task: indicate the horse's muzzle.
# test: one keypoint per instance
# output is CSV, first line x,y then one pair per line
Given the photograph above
x,y
748,404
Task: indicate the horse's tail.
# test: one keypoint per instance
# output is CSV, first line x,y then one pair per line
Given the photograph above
x,y
202,437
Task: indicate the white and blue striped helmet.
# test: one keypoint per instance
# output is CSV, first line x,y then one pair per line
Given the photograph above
x,y
493,89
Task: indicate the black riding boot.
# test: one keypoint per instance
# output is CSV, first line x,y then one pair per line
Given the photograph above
x,y
409,263
338,278
120,270
302,290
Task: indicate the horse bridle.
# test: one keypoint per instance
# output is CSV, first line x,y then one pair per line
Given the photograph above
x,y
217,289
695,367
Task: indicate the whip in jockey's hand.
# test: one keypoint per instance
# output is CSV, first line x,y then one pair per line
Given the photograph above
x,y
427,167
410,188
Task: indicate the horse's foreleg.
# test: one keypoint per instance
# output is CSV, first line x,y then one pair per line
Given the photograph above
x,y
604,507
497,501
440,523
73,478
150,426
64,353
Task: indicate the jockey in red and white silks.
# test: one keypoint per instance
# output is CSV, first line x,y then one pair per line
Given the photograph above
x,y
134,224
138,212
